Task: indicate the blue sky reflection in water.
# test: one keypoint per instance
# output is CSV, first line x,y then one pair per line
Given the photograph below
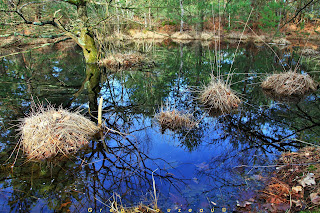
x,y
213,165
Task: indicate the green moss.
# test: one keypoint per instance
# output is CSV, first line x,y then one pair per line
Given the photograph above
x,y
88,46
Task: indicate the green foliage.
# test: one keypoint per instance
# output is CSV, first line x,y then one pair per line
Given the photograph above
x,y
312,168
239,12
168,22
269,15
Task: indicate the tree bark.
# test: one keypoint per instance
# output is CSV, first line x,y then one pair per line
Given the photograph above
x,y
181,16
88,46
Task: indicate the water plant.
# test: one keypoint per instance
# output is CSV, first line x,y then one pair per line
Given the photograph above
x,y
289,83
217,95
174,119
49,131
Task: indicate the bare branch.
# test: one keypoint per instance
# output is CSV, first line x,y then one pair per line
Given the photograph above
x,y
25,21
36,2
299,11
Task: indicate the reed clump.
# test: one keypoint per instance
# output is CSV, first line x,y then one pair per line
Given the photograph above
x,y
122,61
117,206
47,132
174,119
149,35
181,36
219,97
281,41
237,36
289,83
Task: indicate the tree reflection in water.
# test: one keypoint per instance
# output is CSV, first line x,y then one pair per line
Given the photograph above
x,y
86,181
219,161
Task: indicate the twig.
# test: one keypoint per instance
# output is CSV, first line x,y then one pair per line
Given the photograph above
x,y
154,191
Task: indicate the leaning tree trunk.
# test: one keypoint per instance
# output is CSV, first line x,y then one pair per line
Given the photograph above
x,y
88,46
86,40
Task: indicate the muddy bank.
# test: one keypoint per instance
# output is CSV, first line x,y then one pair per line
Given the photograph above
x,y
293,186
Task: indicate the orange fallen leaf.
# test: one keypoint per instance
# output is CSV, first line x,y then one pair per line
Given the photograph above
x,y
65,204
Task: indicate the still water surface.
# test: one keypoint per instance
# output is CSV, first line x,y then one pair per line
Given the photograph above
x,y
212,166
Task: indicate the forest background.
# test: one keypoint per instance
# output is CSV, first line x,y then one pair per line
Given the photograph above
x,y
90,22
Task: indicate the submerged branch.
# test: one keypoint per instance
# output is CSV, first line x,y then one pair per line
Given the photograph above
x,y
38,47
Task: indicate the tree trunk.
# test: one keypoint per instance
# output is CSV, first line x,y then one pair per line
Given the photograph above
x,y
199,25
88,46
86,40
181,16
93,78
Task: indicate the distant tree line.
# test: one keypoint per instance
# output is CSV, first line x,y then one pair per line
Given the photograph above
x,y
88,21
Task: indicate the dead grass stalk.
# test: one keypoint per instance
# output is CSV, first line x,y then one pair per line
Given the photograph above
x,y
289,83
174,119
49,131
218,95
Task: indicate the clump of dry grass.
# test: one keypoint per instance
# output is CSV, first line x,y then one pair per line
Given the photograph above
x,y
237,36
149,35
218,96
289,83
309,52
174,119
49,131
281,41
123,61
181,36
207,36
117,206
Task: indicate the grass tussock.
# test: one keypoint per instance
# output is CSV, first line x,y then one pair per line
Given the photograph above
x,y
117,206
289,83
49,131
207,36
281,41
174,119
237,36
182,36
122,61
120,36
148,35
218,96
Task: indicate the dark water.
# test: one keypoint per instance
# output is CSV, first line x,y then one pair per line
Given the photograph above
x,y
212,166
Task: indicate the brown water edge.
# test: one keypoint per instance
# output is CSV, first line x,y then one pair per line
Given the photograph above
x,y
308,39
293,185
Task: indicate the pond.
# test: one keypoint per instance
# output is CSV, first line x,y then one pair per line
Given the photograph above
x,y
221,162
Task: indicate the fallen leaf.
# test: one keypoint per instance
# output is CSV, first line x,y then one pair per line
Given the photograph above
x,y
308,180
297,203
315,198
243,204
65,204
296,189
